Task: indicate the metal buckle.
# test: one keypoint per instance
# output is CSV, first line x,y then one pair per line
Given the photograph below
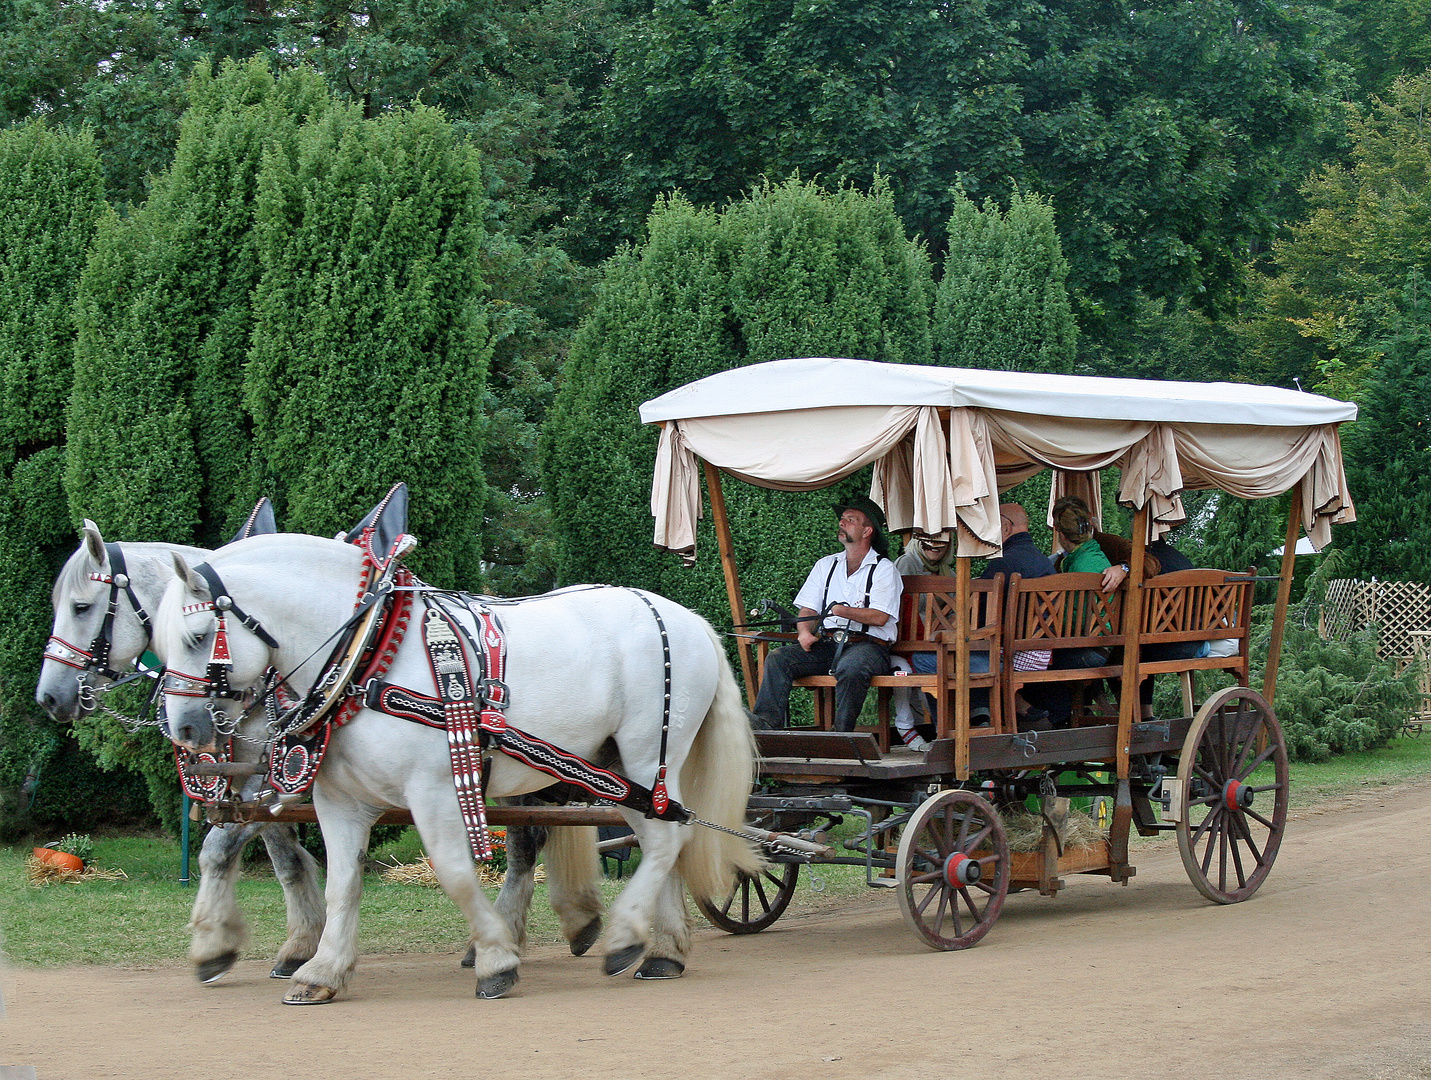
x,y
500,699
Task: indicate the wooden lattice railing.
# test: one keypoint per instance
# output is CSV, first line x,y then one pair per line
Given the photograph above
x,y
1398,607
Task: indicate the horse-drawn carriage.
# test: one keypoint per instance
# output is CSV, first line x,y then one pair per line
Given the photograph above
x,y
943,443
285,653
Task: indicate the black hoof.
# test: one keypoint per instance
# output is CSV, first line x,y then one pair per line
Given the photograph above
x,y
661,967
470,960
284,969
586,938
618,963
495,986
212,970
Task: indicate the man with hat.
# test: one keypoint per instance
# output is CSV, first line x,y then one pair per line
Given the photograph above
x,y
857,590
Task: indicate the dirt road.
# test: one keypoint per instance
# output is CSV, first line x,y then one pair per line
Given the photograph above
x,y
1323,974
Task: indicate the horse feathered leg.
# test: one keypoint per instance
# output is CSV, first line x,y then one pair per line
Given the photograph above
x,y
573,884
297,872
220,933
514,900
346,825
627,934
670,934
494,954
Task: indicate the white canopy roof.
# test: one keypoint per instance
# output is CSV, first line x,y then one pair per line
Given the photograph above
x,y
945,441
822,382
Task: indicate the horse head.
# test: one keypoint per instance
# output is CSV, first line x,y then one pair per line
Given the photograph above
x,y
102,599
254,605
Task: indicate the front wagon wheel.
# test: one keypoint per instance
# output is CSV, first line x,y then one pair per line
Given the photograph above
x,y
953,869
1232,787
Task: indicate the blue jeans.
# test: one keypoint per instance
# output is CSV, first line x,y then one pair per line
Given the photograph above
x,y
924,663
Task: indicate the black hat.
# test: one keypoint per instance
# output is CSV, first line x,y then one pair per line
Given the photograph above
x,y
870,509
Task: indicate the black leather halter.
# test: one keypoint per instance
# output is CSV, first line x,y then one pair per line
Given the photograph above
x,y
96,657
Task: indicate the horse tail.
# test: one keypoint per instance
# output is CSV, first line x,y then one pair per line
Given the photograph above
x,y
715,784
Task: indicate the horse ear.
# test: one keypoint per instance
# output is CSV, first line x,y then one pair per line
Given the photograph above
x,y
185,573
94,543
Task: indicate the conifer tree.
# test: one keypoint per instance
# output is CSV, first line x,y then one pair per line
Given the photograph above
x,y
787,271
370,350
159,446
1003,301
51,188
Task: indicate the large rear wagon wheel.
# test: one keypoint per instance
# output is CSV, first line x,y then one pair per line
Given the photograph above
x,y
1233,780
755,902
953,869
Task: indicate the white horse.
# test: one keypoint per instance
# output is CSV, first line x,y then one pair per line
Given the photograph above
x,y
586,672
69,682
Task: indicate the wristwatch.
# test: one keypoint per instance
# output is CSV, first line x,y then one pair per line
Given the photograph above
x,y
1127,569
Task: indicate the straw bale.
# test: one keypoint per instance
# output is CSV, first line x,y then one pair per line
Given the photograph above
x,y
421,873
39,874
1025,830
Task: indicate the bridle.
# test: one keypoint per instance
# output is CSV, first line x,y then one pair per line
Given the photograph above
x,y
214,683
96,657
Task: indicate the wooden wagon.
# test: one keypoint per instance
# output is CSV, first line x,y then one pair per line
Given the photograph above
x,y
943,443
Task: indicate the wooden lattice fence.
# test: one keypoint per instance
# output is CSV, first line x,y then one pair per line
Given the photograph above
x,y
1401,610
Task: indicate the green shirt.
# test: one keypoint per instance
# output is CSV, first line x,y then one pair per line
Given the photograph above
x,y
1087,558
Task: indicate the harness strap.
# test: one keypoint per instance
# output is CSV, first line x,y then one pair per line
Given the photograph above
x,y
448,661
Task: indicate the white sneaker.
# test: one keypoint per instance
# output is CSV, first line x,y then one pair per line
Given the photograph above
x,y
919,745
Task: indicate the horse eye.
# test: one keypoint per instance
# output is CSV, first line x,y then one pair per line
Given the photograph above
x,y
80,609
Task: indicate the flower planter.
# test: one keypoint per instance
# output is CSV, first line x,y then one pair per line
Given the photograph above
x,y
63,859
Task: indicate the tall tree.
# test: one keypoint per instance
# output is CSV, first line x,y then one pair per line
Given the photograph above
x,y
53,194
1161,132
370,349
159,440
1003,301
787,271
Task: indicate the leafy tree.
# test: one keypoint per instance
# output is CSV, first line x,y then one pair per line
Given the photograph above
x,y
1003,301
786,271
1338,277
370,350
52,191
1162,133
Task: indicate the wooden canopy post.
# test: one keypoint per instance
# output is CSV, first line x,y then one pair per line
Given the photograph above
x,y
1284,595
732,579
961,665
1128,703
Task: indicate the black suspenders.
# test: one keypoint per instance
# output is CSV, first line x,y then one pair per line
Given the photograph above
x,y
869,584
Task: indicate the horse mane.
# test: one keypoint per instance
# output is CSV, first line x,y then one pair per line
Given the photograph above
x,y
73,576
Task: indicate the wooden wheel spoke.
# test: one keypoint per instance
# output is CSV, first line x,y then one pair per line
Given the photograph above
x,y
1207,776
969,900
1247,839
1253,766
978,838
945,906
759,887
1236,859
1260,819
936,889
931,878
1206,822
1211,842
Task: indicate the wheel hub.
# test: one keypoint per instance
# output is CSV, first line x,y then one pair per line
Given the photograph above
x,y
959,869
1237,796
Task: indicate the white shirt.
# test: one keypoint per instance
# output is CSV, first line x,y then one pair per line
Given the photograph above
x,y
884,590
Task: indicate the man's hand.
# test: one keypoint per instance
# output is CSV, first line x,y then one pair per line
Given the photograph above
x,y
1113,577
807,630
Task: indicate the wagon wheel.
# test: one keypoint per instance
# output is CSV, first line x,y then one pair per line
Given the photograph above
x,y
755,902
1232,820
953,869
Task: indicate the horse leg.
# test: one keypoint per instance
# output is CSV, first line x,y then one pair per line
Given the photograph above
x,y
670,936
573,884
494,945
219,930
514,899
346,825
297,872
627,938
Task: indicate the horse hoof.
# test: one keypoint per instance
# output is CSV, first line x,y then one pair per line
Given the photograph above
x,y
470,960
661,967
495,986
308,994
624,960
586,938
284,969
213,970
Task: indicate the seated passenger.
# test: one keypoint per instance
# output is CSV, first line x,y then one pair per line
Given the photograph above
x,y
1020,556
864,588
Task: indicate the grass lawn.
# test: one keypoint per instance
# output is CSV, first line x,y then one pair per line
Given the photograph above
x,y
142,920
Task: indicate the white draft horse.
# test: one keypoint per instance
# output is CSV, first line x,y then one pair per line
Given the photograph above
x,y
586,671
67,688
